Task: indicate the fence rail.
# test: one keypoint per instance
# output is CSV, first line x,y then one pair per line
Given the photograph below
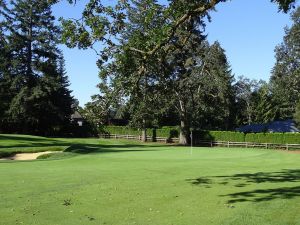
x,y
208,143
133,137
248,145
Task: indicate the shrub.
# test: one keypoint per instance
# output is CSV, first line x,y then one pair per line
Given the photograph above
x,y
199,135
276,138
291,138
120,130
219,136
168,132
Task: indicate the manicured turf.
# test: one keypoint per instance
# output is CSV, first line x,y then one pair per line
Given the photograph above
x,y
122,182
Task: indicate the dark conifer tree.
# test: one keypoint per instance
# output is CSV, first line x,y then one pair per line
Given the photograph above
x,y
285,80
41,101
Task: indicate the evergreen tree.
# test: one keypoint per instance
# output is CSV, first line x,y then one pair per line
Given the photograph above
x,y
41,101
245,93
3,78
214,94
297,114
285,80
263,104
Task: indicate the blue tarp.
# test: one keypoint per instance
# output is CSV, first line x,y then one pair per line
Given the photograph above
x,y
276,126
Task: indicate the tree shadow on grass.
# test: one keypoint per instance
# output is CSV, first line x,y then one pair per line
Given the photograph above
x,y
28,141
94,148
286,177
11,145
22,137
260,195
36,141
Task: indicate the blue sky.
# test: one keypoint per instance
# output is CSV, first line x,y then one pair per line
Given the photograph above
x,y
248,30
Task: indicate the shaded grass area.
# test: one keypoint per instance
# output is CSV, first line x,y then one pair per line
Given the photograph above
x,y
257,195
13,144
124,182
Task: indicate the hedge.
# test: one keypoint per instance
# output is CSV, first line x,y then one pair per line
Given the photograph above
x,y
291,138
121,130
173,132
227,136
168,132
275,138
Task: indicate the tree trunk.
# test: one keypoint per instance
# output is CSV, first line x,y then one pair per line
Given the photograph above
x,y
154,135
144,132
184,133
184,128
29,50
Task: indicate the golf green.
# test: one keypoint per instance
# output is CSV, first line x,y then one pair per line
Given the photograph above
x,y
98,181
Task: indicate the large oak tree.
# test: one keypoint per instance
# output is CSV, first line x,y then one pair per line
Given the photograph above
x,y
136,38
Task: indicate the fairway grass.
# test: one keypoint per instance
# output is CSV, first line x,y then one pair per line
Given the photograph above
x,y
123,182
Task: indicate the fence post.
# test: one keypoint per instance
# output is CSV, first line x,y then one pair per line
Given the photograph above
x,y
228,144
287,147
211,144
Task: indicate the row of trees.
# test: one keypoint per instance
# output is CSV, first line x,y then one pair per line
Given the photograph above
x,y
280,98
34,94
157,68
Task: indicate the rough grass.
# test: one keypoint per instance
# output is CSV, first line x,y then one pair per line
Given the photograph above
x,y
122,182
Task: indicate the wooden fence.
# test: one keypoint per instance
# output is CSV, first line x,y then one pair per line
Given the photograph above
x,y
133,137
205,143
248,145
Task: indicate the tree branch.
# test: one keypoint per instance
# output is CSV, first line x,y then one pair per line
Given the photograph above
x,y
198,11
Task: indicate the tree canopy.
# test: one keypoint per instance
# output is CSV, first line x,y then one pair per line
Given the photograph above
x,y
285,79
33,85
152,50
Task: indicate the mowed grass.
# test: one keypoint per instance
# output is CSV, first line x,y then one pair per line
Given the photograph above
x,y
122,182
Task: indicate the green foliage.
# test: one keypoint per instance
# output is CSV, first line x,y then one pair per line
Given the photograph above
x,y
285,79
219,136
275,138
33,83
200,135
150,51
249,97
227,136
121,130
291,138
211,85
285,5
297,114
264,105
167,132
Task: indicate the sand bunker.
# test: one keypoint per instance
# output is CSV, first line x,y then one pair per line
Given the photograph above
x,y
26,156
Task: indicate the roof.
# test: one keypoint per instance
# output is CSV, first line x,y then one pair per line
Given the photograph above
x,y
76,115
275,126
